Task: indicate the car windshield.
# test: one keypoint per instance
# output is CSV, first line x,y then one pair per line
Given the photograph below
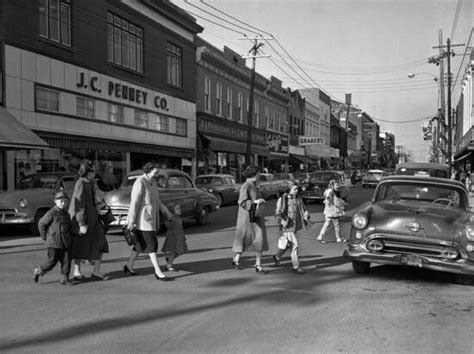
x,y
432,172
418,192
325,176
35,182
209,180
375,174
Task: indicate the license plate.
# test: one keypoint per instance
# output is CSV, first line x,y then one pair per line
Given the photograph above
x,y
411,260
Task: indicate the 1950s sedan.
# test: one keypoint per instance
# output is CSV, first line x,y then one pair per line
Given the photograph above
x,y
415,221
222,186
175,187
32,198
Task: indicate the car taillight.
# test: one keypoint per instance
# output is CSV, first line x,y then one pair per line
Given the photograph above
x,y
360,221
469,232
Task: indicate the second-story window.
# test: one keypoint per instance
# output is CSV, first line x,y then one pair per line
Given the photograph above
x,y
267,116
85,107
229,103
47,100
257,114
162,124
55,20
207,94
219,99
115,113
240,106
181,127
174,59
124,43
141,118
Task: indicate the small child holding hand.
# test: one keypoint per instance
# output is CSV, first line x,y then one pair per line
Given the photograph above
x,y
175,243
54,228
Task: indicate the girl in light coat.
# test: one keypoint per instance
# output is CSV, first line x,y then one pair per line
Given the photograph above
x,y
333,210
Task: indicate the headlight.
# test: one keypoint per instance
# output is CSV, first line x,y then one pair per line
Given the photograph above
x,y
210,190
23,202
469,232
303,188
360,221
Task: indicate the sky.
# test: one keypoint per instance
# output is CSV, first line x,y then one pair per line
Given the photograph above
x,y
363,47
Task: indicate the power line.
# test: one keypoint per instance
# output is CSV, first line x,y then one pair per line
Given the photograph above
x,y
462,61
456,18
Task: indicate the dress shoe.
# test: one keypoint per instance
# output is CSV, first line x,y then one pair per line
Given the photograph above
x,y
165,278
171,269
36,274
127,270
98,276
298,271
78,277
236,265
276,260
260,270
67,282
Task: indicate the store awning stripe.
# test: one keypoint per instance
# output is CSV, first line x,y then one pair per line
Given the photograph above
x,y
225,145
15,135
302,159
462,157
66,141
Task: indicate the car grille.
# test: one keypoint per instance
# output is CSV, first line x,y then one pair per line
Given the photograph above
x,y
411,247
8,212
119,211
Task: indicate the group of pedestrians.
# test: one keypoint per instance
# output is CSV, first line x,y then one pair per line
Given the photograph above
x,y
292,216
77,234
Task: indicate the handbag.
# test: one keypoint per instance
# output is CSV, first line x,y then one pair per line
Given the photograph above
x,y
106,215
130,235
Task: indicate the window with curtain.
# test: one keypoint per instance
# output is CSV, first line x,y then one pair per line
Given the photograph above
x,y
181,127
174,59
124,43
115,113
240,106
229,103
141,118
162,124
218,99
207,94
55,20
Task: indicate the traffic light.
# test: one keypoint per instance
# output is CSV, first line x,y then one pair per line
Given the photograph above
x,y
427,132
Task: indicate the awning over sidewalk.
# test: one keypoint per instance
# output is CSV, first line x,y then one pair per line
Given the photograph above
x,y
300,159
15,135
226,145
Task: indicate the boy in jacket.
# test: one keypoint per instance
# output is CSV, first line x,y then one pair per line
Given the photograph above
x,y
54,228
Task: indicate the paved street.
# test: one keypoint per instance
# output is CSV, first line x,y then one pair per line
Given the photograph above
x,y
213,308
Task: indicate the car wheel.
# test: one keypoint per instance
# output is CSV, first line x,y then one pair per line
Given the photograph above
x,y
219,198
34,226
360,267
203,216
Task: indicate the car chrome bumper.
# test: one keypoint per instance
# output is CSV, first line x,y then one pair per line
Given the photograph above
x,y
309,195
17,218
459,266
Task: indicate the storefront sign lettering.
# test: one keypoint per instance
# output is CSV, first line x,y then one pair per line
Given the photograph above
x,y
122,91
309,140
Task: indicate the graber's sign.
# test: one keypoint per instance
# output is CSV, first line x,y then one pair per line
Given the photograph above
x,y
122,91
309,140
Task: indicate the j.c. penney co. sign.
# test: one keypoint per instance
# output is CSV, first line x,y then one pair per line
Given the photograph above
x,y
120,91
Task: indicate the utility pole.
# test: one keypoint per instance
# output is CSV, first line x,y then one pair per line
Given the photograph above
x,y
253,55
442,146
348,102
449,128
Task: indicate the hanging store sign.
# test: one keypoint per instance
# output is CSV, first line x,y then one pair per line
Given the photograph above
x,y
278,143
309,140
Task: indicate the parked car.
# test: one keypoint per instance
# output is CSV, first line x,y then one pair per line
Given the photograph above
x,y
175,187
284,175
372,178
33,197
222,186
302,177
270,187
318,182
415,221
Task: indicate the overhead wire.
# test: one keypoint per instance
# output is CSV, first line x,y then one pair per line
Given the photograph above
x,y
463,57
456,18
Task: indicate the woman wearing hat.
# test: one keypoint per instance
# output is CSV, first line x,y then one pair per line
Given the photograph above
x,y
89,242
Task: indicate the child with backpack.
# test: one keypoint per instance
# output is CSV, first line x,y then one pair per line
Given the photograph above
x,y
333,209
292,215
54,228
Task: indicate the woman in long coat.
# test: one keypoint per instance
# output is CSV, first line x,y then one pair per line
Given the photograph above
x,y
89,242
144,216
249,236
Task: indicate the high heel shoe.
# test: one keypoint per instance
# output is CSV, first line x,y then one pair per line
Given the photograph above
x,y
165,278
236,265
127,270
260,270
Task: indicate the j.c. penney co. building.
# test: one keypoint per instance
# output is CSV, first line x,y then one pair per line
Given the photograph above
x,y
110,81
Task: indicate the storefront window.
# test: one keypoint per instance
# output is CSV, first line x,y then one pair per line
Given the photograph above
x,y
110,166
